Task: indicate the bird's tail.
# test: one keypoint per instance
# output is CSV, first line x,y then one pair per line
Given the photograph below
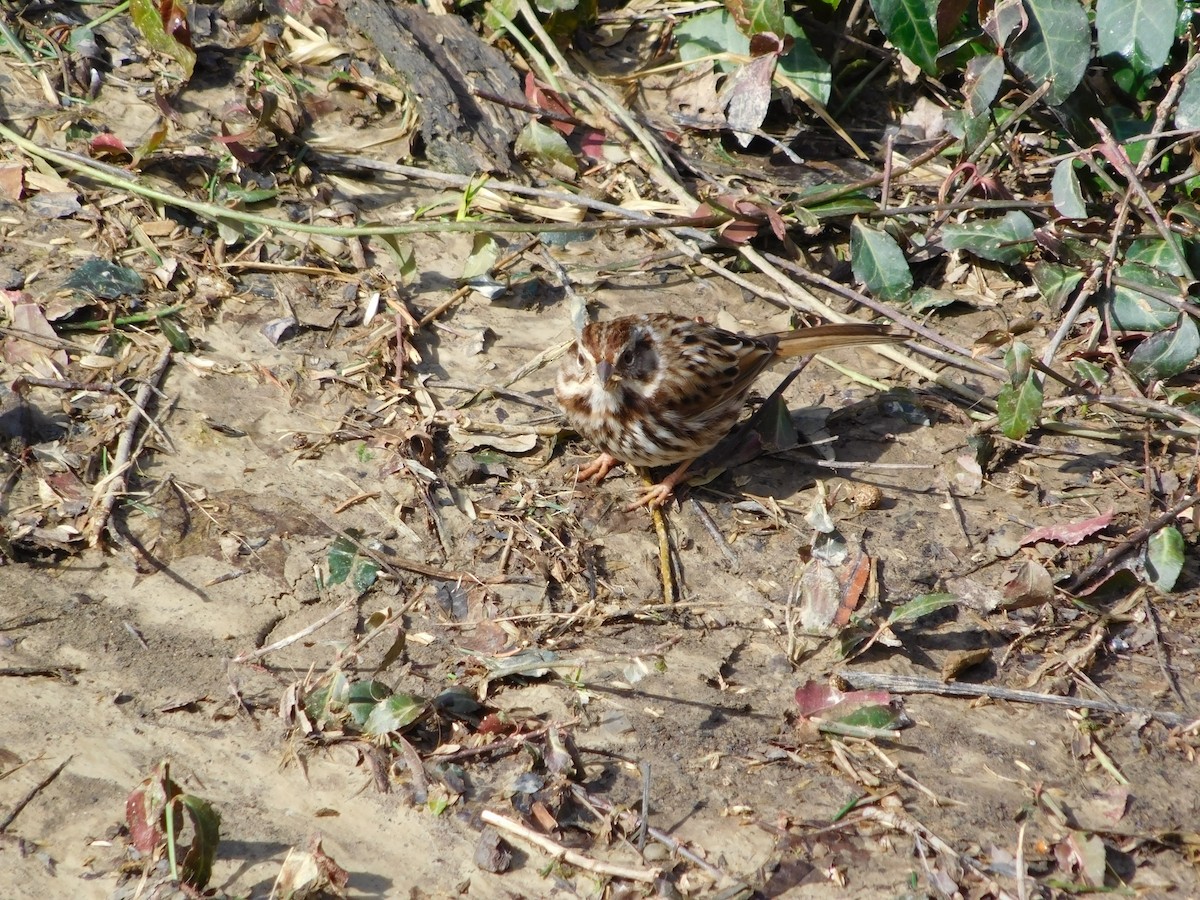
x,y
816,338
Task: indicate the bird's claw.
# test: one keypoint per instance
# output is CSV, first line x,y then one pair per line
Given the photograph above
x,y
598,468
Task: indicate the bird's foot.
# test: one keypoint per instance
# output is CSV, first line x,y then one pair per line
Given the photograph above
x,y
598,468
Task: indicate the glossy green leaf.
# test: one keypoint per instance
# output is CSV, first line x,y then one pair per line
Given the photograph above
x,y
484,252
912,26
1019,403
175,334
926,298
1064,187
1167,353
108,281
878,262
1089,371
1056,46
985,74
395,713
1008,240
1056,282
1139,31
849,203
919,607
879,716
545,145
1164,558
345,563
1130,309
762,16
1156,253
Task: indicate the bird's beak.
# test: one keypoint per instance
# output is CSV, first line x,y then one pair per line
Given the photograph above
x,y
604,371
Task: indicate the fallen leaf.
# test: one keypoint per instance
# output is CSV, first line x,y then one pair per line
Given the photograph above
x,y
1068,534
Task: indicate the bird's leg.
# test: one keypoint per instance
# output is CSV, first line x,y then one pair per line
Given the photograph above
x,y
598,468
658,494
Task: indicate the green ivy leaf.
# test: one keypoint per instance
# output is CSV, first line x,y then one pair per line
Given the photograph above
x,y
716,32
1132,310
878,262
1056,46
912,27
1089,371
395,713
1019,403
1064,187
1164,558
197,865
1138,31
1008,240
1167,353
1055,282
546,145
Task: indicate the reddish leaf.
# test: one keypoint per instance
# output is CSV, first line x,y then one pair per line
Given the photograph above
x,y
1070,533
815,698
542,97
175,23
107,145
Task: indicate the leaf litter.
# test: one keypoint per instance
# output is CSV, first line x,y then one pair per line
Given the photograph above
x,y
278,437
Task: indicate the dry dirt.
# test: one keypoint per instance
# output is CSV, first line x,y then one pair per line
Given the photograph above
x,y
273,452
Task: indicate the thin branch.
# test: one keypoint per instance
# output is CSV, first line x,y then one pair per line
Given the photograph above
x,y
909,684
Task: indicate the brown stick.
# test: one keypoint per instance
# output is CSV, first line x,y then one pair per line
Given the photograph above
x,y
908,684
116,482
33,792
573,857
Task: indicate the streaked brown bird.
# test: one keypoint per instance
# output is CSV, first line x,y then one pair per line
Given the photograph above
x,y
661,389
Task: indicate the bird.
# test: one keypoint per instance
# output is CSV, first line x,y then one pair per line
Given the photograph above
x,y
661,389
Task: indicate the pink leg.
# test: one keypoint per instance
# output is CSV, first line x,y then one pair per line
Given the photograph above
x,y
660,493
598,468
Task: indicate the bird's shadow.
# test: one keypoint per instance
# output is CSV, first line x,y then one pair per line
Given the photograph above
x,y
785,451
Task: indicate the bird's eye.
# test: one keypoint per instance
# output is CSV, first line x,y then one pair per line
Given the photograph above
x,y
627,357
581,358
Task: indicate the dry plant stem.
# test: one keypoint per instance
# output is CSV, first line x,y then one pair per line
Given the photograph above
x,y
22,54
673,844
715,533
1120,161
114,485
1165,107
510,744
572,857
120,180
508,187
1085,577
669,590
299,635
1164,664
908,779
909,684
502,265
33,792
1086,291
1022,872
63,673
915,829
